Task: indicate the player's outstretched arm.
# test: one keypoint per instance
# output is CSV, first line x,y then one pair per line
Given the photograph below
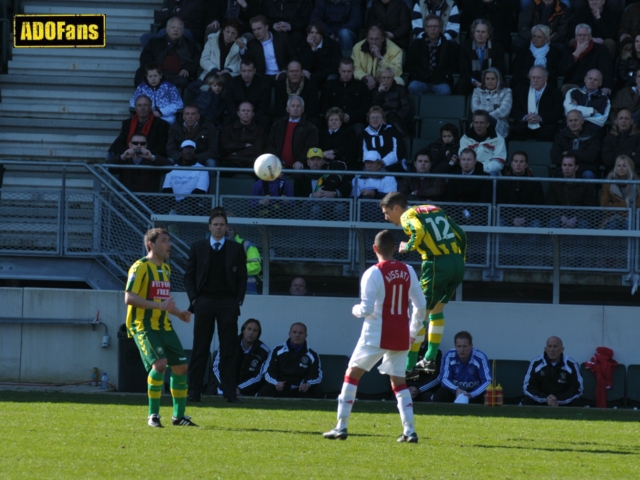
x,y
461,236
370,286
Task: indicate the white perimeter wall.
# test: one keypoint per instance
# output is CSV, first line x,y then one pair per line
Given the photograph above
x,y
63,353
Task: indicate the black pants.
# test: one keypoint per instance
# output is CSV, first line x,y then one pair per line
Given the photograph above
x,y
530,401
269,390
207,313
444,395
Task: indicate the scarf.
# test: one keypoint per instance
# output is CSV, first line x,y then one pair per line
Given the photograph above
x,y
291,92
476,62
589,48
539,54
532,106
622,191
133,128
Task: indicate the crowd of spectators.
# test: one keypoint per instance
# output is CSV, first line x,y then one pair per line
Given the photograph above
x,y
245,77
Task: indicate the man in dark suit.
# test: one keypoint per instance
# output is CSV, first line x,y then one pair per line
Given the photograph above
x,y
215,279
537,109
270,52
249,87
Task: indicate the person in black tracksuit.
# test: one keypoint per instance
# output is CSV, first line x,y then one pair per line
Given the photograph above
x,y
293,369
251,358
553,378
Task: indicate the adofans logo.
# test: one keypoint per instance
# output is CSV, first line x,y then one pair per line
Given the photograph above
x,y
59,31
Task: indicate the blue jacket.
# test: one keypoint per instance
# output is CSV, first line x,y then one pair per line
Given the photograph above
x,y
473,377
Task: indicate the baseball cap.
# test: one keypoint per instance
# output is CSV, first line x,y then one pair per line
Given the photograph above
x,y
188,143
314,152
371,156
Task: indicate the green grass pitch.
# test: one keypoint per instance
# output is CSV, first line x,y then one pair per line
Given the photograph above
x,y
61,435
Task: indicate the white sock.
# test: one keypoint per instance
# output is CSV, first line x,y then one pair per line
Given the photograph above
x,y
405,407
345,401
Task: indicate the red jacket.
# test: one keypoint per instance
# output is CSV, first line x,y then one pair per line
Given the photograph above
x,y
602,365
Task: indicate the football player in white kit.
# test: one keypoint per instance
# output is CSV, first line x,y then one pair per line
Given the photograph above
x,y
386,289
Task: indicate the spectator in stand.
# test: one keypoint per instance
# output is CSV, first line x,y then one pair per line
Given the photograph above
x,y
203,134
620,195
604,21
319,56
493,97
211,98
291,137
517,192
629,98
489,146
252,355
249,87
165,97
537,109
374,186
270,51
293,369
499,12
444,152
587,55
242,11
553,378
465,373
146,123
349,95
539,54
341,20
242,141
339,142
267,207
373,53
296,84
552,13
177,55
469,191
622,139
394,100
289,17
184,183
190,12
432,60
630,23
629,62
221,53
590,100
298,287
426,189
570,193
138,153
581,138
394,17
477,54
383,138
447,10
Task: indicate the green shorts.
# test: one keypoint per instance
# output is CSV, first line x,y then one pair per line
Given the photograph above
x,y
440,278
157,344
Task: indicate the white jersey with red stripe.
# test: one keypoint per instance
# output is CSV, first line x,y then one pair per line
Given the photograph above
x,y
387,290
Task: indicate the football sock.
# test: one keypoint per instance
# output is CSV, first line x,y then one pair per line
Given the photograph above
x,y
412,357
346,399
179,394
405,407
155,381
436,329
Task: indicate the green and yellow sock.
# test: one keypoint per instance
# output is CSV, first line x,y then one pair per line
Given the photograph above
x,y
179,394
155,381
436,329
412,358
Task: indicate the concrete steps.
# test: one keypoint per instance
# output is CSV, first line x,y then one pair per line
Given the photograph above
x,y
76,84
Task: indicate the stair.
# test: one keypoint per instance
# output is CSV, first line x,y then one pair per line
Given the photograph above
x,y
67,104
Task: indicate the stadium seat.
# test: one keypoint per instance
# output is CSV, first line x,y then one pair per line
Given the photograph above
x,y
615,396
333,368
633,385
538,152
446,106
419,144
239,184
510,375
374,385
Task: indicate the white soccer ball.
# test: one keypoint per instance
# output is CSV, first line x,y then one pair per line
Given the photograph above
x,y
268,167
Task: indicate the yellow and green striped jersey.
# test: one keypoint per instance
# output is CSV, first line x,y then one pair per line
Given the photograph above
x,y
432,232
151,282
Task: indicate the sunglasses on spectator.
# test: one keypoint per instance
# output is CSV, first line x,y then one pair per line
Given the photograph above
x,y
138,143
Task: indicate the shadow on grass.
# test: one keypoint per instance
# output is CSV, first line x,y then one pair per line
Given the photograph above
x,y
563,413
558,449
287,432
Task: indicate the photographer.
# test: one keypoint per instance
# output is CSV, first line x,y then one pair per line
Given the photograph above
x,y
138,154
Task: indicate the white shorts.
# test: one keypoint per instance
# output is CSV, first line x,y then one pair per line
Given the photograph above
x,y
393,362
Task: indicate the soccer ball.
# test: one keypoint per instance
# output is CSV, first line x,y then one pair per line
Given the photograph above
x,y
267,167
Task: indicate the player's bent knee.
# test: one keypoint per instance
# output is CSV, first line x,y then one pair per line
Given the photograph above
x,y
179,369
160,365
